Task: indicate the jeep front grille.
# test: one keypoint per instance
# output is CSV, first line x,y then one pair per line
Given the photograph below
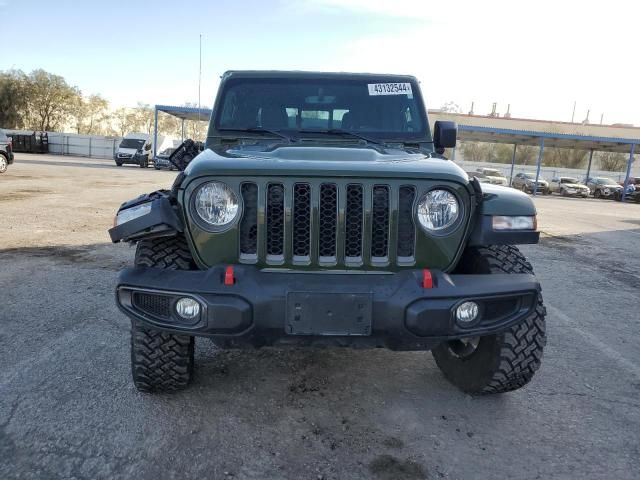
x,y
327,224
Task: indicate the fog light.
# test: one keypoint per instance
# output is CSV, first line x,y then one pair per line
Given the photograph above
x,y
187,308
467,312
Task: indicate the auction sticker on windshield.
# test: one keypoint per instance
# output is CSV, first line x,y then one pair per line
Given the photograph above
x,y
389,88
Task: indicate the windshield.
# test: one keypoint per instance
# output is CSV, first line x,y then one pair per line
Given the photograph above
x,y
530,176
569,180
605,181
389,110
132,143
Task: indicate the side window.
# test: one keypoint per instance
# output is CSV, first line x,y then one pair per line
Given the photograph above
x,y
554,180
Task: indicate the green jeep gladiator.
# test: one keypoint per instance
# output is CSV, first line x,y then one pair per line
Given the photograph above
x,y
322,212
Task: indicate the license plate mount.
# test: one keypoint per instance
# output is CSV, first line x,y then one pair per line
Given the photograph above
x,y
331,314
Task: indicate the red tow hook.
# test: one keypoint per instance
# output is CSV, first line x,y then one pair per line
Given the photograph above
x,y
229,277
427,279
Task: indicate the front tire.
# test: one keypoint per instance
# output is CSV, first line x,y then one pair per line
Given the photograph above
x,y
161,362
501,362
4,163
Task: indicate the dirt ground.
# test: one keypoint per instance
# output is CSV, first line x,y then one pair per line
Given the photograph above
x,y
68,408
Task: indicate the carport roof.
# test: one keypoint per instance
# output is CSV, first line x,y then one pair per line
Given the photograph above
x,y
186,113
560,140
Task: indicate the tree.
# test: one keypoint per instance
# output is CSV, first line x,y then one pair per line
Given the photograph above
x,y
612,161
565,157
124,120
12,99
478,151
451,107
50,100
90,114
144,118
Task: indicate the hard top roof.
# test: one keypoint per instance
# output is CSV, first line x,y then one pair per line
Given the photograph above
x,y
311,75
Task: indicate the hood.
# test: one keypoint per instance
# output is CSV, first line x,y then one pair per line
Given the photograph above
x,y
540,181
612,186
131,151
323,161
575,185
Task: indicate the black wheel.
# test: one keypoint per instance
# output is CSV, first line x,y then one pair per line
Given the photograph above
x,y
597,194
502,362
161,362
119,164
564,193
4,163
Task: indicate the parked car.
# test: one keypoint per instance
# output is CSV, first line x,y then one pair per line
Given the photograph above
x,y
527,183
262,242
635,181
568,187
162,160
137,148
482,178
494,176
6,152
603,187
632,193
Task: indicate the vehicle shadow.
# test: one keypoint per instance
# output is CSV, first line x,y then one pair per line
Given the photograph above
x,y
103,165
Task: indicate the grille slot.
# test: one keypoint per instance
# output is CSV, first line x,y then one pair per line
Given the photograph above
x,y
302,219
328,219
275,219
406,227
153,304
327,223
380,222
249,223
353,222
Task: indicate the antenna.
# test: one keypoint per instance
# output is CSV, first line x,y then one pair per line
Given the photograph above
x,y
199,77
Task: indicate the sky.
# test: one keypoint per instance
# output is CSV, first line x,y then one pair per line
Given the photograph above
x,y
538,56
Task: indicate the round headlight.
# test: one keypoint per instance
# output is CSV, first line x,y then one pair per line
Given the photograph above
x,y
438,209
216,204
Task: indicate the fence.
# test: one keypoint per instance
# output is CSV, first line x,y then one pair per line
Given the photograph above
x,y
547,173
94,146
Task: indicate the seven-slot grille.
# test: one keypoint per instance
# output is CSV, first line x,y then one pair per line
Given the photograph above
x,y
327,224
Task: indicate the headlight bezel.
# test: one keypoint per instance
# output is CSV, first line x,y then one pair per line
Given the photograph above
x,y
203,223
450,229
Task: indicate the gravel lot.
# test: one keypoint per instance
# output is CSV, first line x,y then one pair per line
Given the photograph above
x,y
69,410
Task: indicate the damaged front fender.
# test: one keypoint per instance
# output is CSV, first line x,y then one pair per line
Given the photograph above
x,y
161,219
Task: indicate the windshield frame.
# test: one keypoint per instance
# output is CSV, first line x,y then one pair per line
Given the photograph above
x,y
140,142
217,132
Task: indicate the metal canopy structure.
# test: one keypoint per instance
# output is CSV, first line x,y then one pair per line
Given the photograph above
x,y
591,143
193,114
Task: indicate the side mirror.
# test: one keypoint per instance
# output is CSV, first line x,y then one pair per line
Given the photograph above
x,y
445,134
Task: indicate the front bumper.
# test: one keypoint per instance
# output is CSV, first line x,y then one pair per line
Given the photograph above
x,y
131,160
365,310
577,193
160,162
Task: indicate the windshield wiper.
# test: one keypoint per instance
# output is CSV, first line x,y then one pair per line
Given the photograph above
x,y
259,130
339,131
